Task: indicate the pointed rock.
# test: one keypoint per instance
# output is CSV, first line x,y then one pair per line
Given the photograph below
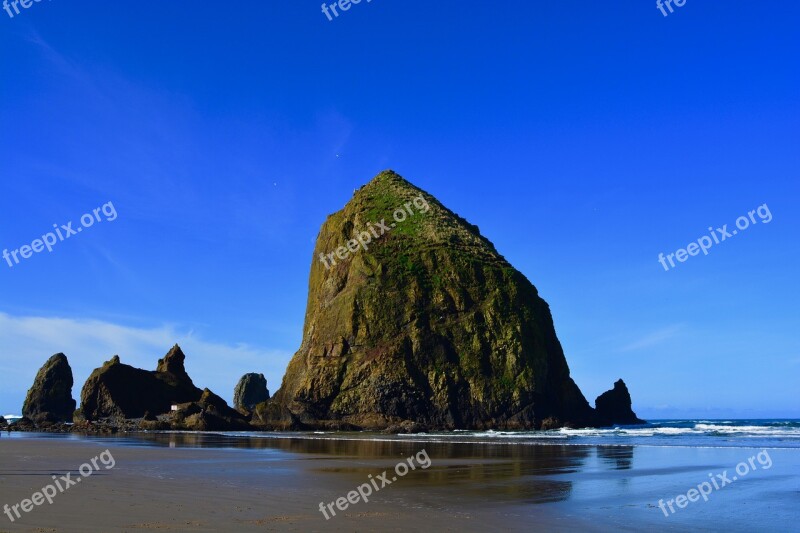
x,y
50,397
173,363
614,407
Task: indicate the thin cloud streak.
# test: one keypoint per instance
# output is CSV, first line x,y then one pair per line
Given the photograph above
x,y
654,338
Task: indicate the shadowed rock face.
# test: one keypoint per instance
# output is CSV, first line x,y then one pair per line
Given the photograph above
x,y
614,407
250,391
118,392
213,414
50,397
121,391
430,324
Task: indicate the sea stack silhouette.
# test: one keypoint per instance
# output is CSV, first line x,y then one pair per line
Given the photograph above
x,y
414,320
49,400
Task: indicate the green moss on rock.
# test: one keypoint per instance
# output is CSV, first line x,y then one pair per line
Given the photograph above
x,y
430,324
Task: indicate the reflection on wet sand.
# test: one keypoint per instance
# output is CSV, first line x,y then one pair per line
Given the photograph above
x,y
621,457
501,472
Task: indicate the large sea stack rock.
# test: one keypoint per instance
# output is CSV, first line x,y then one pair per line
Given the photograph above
x,y
119,391
50,397
250,391
614,407
428,325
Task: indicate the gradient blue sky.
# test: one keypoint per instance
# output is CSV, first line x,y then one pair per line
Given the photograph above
x,y
583,138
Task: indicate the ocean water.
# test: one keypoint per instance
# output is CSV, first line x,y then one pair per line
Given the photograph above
x,y
763,433
772,433
760,433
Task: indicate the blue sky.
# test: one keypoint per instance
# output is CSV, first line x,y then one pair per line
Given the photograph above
x,y
583,138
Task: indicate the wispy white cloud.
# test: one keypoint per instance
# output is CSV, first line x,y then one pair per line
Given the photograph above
x,y
653,338
27,341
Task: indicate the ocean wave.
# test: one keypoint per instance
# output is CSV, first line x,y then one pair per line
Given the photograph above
x,y
783,434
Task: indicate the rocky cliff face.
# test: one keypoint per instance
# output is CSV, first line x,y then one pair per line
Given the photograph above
x,y
50,397
119,391
414,317
249,392
614,407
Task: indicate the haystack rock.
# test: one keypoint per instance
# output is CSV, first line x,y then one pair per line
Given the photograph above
x,y
50,397
250,391
119,391
614,407
424,325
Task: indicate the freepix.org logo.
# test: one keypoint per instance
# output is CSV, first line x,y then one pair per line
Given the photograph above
x,y
14,4
667,4
340,5
717,236
61,233
376,230
59,485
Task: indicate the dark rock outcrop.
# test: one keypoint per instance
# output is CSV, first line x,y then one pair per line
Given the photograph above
x,y
426,325
124,397
250,391
119,391
614,407
210,413
50,398
26,424
3,422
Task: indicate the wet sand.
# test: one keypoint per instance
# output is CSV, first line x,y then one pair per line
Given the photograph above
x,y
191,482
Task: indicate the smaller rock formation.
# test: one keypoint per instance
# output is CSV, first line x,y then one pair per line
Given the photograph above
x,y
249,392
212,413
614,407
50,400
122,396
3,422
119,391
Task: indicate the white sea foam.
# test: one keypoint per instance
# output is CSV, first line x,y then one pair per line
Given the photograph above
x,y
676,433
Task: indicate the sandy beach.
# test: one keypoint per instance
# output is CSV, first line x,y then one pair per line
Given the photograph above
x,y
188,482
